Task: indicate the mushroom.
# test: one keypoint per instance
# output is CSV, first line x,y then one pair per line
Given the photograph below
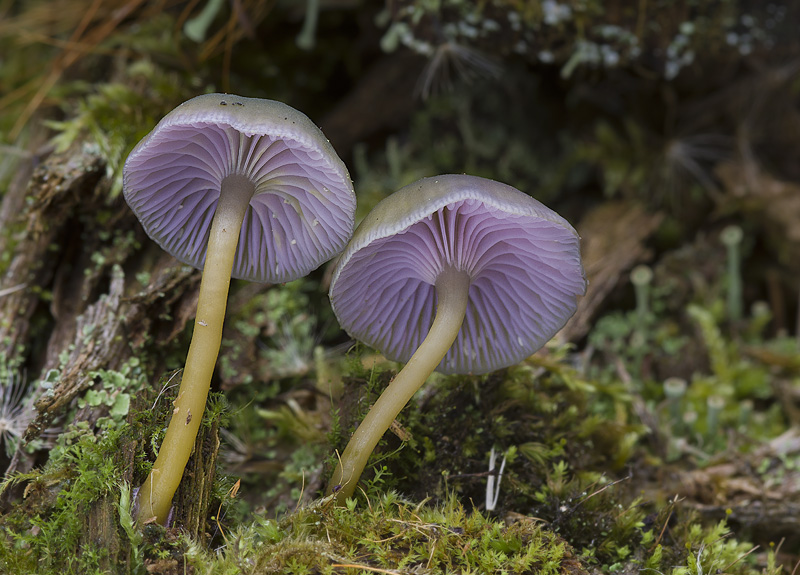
x,y
238,187
453,273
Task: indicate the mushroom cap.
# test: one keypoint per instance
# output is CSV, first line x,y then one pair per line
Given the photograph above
x,y
303,208
523,260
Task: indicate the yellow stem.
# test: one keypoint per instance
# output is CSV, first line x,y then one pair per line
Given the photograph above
x,y
155,495
452,291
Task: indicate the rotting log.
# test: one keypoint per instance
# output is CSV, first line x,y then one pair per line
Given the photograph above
x,y
93,293
38,237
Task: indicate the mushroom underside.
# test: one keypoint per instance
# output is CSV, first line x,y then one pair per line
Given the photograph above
x,y
299,216
524,278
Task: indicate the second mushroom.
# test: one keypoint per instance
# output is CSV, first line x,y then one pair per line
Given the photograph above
x,y
453,273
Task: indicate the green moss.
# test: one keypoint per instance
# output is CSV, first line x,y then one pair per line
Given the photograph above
x,y
46,533
114,389
272,337
389,533
115,116
539,415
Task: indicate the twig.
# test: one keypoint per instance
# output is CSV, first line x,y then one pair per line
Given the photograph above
x,y
12,289
666,521
366,568
599,491
740,558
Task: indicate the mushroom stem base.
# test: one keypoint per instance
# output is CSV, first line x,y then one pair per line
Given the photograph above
x,y
452,291
155,495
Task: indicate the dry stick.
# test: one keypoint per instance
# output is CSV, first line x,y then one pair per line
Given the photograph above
x,y
184,16
599,491
34,37
232,494
364,568
452,291
12,289
155,496
69,57
641,19
725,570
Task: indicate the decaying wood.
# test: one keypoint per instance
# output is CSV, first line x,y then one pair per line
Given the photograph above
x,y
613,239
768,518
56,191
106,334
742,490
102,526
83,309
194,494
12,201
97,343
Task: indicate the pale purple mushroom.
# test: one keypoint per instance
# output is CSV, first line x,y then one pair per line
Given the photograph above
x,y
300,211
239,187
455,273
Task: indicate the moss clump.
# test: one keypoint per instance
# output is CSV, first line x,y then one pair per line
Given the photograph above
x,y
74,515
103,118
67,506
389,533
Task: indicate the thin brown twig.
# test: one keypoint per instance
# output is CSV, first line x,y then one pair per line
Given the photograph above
x,y
365,567
391,538
641,19
18,93
5,8
778,547
599,491
664,528
232,492
184,15
210,46
32,37
740,558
